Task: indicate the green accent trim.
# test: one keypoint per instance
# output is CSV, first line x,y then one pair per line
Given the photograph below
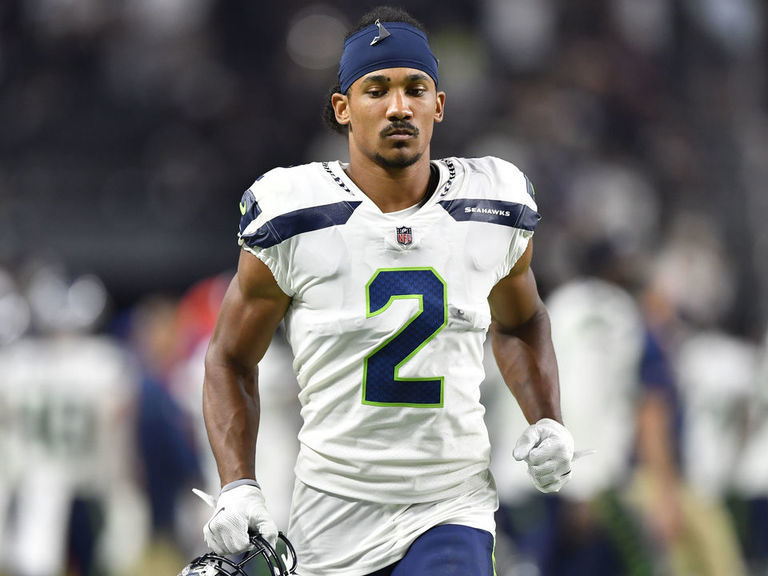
x,y
420,298
493,556
243,208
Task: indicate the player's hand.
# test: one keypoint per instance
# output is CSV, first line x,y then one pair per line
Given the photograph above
x,y
238,511
547,448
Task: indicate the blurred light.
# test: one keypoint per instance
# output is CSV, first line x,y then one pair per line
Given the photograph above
x,y
164,18
316,37
15,316
59,305
613,201
87,300
522,30
736,24
692,271
645,24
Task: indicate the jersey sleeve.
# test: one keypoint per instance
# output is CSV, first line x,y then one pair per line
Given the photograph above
x,y
512,186
256,235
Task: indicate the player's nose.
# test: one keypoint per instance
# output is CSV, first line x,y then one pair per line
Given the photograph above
x,y
399,107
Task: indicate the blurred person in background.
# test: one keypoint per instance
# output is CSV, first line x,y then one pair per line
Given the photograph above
x,y
388,271
603,351
654,502
749,501
69,395
688,294
164,435
718,381
619,399
15,320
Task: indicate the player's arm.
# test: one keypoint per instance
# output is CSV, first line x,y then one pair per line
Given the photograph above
x,y
250,313
522,344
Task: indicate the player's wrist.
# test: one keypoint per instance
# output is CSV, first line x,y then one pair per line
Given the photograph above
x,y
237,483
556,423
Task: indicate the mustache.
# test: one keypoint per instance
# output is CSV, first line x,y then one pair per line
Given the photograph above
x,y
401,127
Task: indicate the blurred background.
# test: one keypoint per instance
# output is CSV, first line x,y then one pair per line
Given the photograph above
x,y
130,129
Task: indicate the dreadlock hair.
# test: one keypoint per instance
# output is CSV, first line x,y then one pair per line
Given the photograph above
x,y
383,14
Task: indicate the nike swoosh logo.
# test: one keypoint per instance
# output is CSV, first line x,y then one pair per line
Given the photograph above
x,y
243,208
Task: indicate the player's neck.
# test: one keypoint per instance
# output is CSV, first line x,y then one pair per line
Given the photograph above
x,y
392,189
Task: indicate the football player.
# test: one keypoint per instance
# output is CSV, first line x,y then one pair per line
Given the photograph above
x,y
388,272
69,394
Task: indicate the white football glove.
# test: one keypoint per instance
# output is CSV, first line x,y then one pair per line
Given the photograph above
x,y
547,448
238,510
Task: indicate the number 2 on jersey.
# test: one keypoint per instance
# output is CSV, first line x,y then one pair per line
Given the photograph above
x,y
382,384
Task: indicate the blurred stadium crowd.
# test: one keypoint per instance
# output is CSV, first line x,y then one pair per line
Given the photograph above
x,y
128,131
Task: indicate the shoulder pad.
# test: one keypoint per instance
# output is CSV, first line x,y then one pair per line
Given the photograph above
x,y
496,192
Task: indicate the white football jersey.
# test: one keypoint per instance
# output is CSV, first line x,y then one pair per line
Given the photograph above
x,y
598,334
717,374
68,403
69,399
388,317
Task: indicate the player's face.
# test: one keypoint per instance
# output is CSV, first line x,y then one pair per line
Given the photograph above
x,y
391,115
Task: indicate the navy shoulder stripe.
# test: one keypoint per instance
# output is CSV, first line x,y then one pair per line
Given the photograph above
x,y
286,226
500,212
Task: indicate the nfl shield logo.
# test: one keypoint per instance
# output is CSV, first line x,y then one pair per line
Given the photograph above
x,y
404,235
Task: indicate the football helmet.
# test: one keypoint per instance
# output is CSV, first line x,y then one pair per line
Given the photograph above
x,y
250,564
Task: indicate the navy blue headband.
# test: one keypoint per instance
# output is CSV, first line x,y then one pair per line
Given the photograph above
x,y
385,45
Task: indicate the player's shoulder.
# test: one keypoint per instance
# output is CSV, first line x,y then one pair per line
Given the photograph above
x,y
493,166
286,200
496,178
488,190
284,189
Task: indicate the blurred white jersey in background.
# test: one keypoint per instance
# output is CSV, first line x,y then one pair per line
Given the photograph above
x,y
67,423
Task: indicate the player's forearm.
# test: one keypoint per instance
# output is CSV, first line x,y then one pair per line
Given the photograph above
x,y
231,411
526,359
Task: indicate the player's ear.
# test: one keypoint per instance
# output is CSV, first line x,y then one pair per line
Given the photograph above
x,y
439,106
340,104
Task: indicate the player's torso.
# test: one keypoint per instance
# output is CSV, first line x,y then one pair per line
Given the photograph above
x,y
387,322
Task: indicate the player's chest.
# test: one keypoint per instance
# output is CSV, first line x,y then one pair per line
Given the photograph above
x,y
339,265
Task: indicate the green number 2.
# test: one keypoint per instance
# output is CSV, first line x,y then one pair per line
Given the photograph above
x,y
382,384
